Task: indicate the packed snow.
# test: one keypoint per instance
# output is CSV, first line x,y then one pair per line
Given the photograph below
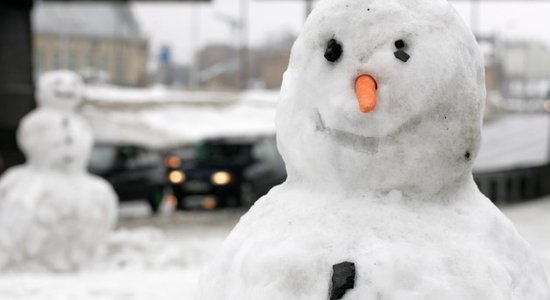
x,y
190,240
106,95
379,122
160,118
62,90
54,216
382,181
146,258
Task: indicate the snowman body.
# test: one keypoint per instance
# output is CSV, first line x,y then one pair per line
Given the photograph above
x,y
378,180
461,248
53,214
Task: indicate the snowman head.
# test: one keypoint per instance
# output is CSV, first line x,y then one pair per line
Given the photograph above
x,y
382,95
55,140
60,89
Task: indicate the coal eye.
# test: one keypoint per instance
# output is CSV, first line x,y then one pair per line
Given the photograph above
x,y
399,44
400,53
333,50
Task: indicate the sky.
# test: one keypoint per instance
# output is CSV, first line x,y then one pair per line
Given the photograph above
x,y
186,27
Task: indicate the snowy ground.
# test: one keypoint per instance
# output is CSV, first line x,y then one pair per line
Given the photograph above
x,y
166,267
160,268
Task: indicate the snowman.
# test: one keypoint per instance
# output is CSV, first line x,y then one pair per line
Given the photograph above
x,y
53,214
378,123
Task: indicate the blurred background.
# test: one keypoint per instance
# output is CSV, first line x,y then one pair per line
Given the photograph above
x,y
181,96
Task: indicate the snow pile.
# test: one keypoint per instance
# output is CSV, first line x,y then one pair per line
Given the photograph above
x,y
514,141
532,221
115,96
148,248
188,233
53,214
163,125
378,123
114,285
148,258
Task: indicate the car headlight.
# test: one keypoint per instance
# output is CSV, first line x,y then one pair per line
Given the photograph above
x,y
176,177
172,162
221,178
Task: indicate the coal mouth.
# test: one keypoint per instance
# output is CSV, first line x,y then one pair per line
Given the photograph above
x,y
349,140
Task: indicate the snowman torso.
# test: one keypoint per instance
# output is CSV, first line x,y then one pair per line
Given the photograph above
x,y
50,220
378,123
285,246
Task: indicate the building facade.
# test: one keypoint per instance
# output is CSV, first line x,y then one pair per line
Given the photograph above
x,y
101,41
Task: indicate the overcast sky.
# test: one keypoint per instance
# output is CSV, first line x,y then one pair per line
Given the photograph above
x,y
171,23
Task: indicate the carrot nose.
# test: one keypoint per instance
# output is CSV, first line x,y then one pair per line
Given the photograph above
x,y
365,90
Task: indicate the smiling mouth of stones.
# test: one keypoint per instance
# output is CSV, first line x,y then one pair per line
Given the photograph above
x,y
349,140
65,95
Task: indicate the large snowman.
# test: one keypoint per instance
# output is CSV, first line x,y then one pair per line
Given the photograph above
x,y
378,123
53,214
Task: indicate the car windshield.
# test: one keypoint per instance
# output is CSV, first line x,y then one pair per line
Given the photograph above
x,y
231,154
102,158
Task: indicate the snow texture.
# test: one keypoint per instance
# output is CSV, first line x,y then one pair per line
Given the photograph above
x,y
53,214
60,89
391,190
195,238
162,118
146,258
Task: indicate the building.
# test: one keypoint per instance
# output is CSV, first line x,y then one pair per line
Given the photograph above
x,y
517,69
102,41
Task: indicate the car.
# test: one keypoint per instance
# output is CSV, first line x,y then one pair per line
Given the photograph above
x,y
226,172
1,164
136,173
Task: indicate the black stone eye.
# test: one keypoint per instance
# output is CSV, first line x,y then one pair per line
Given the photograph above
x,y
400,44
333,50
400,53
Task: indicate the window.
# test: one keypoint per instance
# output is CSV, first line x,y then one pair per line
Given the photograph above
x,y
56,60
120,64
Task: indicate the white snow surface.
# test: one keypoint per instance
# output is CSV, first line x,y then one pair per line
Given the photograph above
x,y
108,95
146,258
390,190
195,238
51,220
160,118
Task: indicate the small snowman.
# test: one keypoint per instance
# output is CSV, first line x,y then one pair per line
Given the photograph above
x,y
378,123
53,214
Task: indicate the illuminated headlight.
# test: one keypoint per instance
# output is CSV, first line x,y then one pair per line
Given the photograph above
x,y
176,177
221,178
209,203
172,162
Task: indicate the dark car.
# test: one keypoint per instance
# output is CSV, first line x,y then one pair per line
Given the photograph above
x,y
136,173
227,172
